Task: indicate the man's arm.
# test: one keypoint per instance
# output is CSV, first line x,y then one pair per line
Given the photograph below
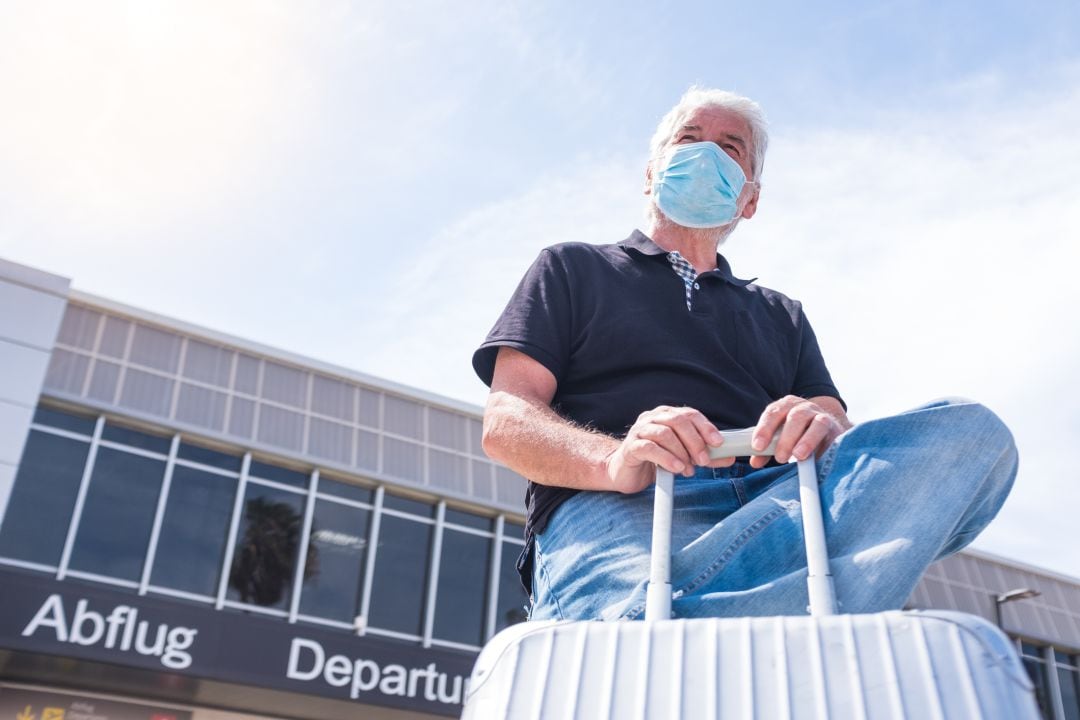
x,y
524,433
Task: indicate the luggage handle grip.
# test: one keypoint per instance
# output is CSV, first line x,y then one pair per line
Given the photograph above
x,y
737,444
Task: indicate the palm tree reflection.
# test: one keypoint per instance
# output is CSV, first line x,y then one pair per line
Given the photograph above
x,y
262,570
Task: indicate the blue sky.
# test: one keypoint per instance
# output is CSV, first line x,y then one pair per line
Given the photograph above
x,y
364,183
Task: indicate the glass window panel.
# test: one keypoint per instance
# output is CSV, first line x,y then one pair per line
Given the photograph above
x,y
482,483
64,420
991,578
1070,698
1063,658
446,429
513,529
403,417
971,601
367,450
247,374
267,544
67,371
448,471
512,601
336,556
1031,650
917,599
39,511
468,519
114,337
207,363
194,531
283,428
937,593
79,327
155,348
284,384
103,381
200,406
401,570
118,514
404,504
369,408
276,473
1037,672
1060,624
345,490
206,456
330,440
403,459
509,486
147,392
943,569
241,417
476,435
135,438
332,397
1055,594
461,605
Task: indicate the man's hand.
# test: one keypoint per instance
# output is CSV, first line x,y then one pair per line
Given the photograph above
x,y
675,439
809,426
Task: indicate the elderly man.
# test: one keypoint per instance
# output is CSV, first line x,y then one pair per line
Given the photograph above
x,y
610,360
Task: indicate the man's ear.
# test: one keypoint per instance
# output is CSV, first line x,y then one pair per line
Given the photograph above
x,y
751,205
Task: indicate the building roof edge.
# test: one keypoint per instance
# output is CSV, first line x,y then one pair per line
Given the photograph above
x,y
1021,565
275,353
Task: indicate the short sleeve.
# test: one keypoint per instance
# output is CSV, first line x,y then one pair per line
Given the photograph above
x,y
537,321
812,378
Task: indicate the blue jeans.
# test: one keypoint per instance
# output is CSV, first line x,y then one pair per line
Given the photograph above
x,y
898,493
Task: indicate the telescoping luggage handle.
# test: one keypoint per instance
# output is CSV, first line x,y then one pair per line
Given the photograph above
x,y
737,444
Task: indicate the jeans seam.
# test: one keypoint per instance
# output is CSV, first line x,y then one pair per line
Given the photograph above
x,y
740,540
740,490
550,587
828,458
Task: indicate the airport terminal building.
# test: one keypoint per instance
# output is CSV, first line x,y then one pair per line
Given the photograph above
x,y
194,526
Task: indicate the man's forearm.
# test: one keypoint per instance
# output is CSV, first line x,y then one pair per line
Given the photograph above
x,y
534,441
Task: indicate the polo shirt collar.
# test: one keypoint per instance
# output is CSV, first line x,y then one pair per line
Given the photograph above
x,y
643,244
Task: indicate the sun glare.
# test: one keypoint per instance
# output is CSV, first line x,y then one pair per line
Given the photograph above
x,y
134,111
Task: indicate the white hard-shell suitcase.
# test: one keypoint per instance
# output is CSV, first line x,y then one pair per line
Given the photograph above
x,y
933,665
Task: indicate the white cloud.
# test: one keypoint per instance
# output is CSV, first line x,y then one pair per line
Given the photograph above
x,y
446,303
123,115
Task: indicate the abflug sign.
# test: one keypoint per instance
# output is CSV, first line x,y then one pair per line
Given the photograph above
x,y
59,618
119,630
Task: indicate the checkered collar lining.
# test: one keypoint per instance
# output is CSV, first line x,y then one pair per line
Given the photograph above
x,y
641,243
684,270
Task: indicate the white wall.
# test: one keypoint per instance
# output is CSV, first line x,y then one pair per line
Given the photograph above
x,y
31,307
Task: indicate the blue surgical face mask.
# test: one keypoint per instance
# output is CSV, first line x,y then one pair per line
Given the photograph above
x,y
697,185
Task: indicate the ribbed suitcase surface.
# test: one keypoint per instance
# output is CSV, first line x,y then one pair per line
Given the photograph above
x,y
933,665
896,665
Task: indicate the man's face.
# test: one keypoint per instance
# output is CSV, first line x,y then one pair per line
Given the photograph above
x,y
732,133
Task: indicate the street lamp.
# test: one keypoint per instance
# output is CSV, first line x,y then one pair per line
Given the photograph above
x,y
1017,594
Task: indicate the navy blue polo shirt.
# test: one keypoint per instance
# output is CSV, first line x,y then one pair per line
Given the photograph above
x,y
612,325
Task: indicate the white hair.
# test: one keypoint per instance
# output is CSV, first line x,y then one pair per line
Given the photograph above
x,y
698,97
